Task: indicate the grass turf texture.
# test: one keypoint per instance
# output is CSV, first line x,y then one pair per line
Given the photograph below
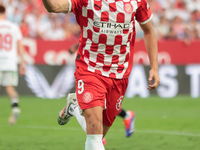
x,y
161,124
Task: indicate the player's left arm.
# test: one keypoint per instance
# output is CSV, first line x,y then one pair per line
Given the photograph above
x,y
73,49
152,50
22,67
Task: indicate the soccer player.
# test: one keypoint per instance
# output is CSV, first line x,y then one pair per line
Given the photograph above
x,y
104,60
10,41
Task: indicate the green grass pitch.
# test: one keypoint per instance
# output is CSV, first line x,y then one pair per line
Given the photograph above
x,y
161,124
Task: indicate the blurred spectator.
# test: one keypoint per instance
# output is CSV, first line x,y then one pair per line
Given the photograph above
x,y
178,26
70,26
193,5
173,19
24,27
56,32
15,17
171,35
163,28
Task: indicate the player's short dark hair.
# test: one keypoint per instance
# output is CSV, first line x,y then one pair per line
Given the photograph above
x,y
2,9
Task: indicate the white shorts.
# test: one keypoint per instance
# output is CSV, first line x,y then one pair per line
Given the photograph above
x,y
8,78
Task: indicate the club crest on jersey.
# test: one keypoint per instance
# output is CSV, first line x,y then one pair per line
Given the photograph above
x,y
128,8
87,97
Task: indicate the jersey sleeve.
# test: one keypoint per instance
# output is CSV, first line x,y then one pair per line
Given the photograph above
x,y
75,5
143,13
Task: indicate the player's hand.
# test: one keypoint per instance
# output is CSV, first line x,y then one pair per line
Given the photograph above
x,y
153,76
22,69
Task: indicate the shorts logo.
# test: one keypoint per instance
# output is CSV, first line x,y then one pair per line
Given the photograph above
x,y
128,8
119,102
87,97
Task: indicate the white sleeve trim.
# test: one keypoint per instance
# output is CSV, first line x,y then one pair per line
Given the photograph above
x,y
147,20
70,6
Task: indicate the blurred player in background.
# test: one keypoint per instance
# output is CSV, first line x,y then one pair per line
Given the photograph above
x,y
104,60
10,42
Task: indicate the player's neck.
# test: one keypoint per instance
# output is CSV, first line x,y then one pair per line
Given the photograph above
x,y
2,16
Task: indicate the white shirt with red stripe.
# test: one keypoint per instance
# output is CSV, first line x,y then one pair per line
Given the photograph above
x,y
10,34
108,34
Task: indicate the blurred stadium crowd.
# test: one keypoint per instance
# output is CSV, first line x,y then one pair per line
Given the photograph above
x,y
173,19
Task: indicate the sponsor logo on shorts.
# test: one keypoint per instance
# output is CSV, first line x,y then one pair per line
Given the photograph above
x,y
119,102
87,97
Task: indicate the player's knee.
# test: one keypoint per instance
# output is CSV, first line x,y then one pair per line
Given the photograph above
x,y
94,127
11,92
93,119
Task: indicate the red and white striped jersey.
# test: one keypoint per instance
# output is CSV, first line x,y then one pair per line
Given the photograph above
x,y
108,34
10,34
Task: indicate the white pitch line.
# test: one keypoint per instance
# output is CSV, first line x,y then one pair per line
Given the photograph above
x,y
111,130
168,132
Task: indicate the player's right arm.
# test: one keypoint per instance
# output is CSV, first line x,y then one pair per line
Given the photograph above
x,y
22,68
57,6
